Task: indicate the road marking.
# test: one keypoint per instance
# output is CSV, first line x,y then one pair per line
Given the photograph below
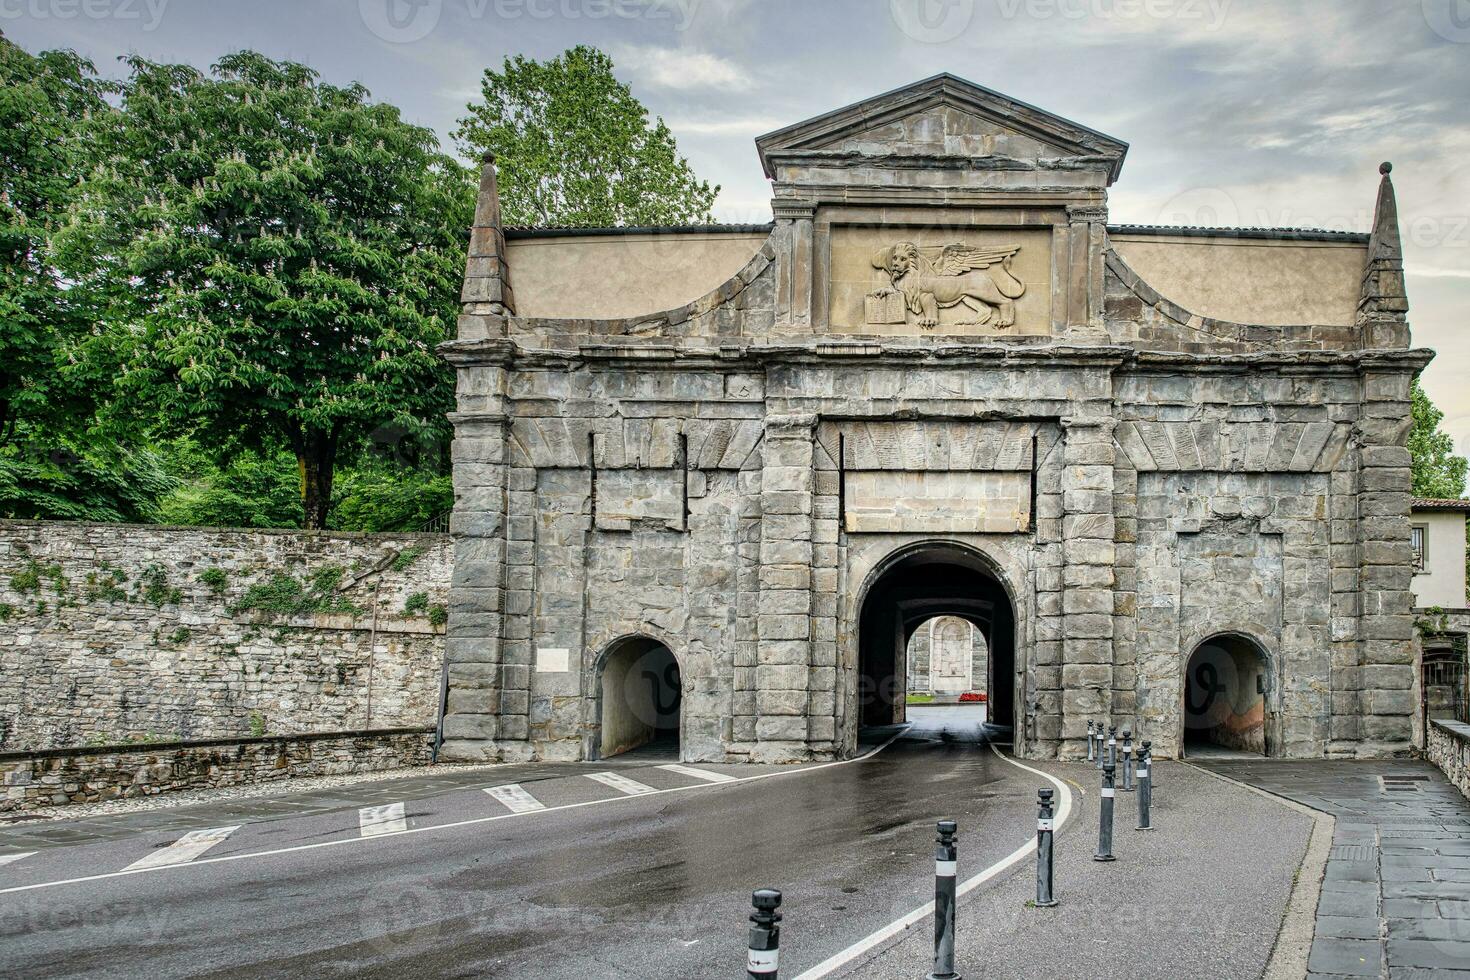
x,y
899,926
705,774
376,821
516,798
622,783
476,821
12,858
184,850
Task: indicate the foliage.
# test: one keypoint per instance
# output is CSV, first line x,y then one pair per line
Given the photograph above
x,y
416,604
106,585
573,146
64,479
1438,472
289,252
45,102
153,587
257,724
6,611
285,595
406,558
180,635
216,579
250,490
28,580
380,497
438,615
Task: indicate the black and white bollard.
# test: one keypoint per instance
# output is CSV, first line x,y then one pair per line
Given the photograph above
x,y
1127,760
765,935
1102,749
946,864
1113,746
1105,816
1045,826
1145,785
1091,748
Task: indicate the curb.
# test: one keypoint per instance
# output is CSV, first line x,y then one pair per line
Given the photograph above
x,y
1299,925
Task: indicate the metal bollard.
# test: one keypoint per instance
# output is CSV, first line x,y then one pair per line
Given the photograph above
x,y
1127,760
1145,786
946,864
1091,748
765,935
1105,816
1045,827
1113,746
1101,747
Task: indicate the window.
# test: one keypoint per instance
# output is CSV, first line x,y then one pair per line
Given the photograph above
x,y
1418,535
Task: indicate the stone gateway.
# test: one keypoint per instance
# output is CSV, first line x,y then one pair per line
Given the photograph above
x,y
711,481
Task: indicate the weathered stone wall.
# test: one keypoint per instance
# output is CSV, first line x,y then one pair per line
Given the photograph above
x,y
58,777
117,633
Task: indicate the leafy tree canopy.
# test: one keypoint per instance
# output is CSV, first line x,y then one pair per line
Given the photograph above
x,y
286,253
574,147
1438,472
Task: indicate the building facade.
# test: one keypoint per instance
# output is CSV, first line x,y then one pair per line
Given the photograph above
x,y
710,480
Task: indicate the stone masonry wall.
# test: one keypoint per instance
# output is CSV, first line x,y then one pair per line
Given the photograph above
x,y
114,634
59,777
1449,749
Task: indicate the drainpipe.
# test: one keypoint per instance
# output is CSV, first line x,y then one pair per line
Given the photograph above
x,y
443,705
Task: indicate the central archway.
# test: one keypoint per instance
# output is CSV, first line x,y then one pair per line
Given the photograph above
x,y
910,589
640,694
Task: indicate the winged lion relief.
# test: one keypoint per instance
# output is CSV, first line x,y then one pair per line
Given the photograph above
x,y
924,280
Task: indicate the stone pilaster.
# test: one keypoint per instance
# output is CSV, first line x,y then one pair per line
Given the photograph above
x,y
1089,549
475,634
1387,621
794,258
783,669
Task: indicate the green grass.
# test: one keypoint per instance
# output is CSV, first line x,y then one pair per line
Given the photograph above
x,y
920,699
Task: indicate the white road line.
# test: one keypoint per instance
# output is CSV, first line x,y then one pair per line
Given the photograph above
x,y
339,842
12,858
183,850
516,798
705,774
899,926
621,783
376,821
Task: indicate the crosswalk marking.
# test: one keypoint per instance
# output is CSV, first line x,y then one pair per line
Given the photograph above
x,y
622,784
705,774
516,798
385,819
12,858
183,850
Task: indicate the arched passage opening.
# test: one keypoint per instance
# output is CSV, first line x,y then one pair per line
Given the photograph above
x,y
1226,683
640,694
948,659
920,585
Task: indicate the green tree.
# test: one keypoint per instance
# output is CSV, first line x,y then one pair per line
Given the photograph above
x,y
1438,472
574,147
287,254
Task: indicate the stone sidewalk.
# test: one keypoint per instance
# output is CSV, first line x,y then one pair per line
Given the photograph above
x,y
1396,898
1202,897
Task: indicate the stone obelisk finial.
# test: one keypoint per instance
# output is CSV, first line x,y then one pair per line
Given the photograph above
x,y
1383,302
487,297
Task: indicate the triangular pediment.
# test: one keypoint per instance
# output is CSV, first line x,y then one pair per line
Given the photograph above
x,y
941,117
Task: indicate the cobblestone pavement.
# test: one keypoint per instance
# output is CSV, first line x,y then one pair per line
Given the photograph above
x,y
1396,899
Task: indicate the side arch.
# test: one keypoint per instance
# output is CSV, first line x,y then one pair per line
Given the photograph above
x,y
637,696
1231,691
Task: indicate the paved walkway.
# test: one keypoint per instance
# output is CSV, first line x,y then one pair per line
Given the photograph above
x,y
1396,899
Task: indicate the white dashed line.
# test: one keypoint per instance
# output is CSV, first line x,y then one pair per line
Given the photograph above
x,y
516,799
780,773
378,820
12,858
622,784
183,850
705,774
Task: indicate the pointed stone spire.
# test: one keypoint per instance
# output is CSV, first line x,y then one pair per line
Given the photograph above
x,y
1383,298
487,297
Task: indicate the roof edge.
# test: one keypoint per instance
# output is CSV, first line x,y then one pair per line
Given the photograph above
x,y
1278,234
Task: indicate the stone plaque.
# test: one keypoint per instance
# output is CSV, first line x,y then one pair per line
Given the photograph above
x,y
943,282
927,502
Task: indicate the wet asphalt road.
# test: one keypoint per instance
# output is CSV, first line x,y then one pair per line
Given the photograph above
x,y
646,886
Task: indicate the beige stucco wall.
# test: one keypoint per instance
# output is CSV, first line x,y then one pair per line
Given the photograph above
x,y
611,276
1442,583
1271,283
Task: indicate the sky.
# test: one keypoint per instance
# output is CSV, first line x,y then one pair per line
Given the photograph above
x,y
1238,112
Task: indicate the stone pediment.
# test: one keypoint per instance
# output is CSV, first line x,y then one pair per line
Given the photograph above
x,y
940,118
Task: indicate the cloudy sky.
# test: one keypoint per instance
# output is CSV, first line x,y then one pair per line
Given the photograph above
x,y
1239,112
